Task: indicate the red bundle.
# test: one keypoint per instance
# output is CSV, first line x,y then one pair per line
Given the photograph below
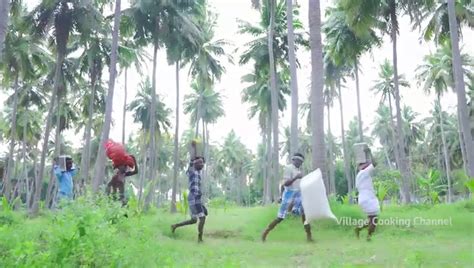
x,y
116,152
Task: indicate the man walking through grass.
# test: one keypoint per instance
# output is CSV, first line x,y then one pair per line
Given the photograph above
x,y
367,199
196,207
291,195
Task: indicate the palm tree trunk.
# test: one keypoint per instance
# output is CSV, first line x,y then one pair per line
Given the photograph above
x,y
345,151
293,79
392,124
25,170
206,156
274,94
57,151
4,12
400,137
100,164
86,152
332,175
460,89
144,168
35,178
153,146
176,145
389,163
198,114
264,166
445,150
124,113
150,196
462,145
39,179
317,84
9,169
359,112
204,169
268,180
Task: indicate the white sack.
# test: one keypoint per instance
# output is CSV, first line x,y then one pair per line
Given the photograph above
x,y
313,197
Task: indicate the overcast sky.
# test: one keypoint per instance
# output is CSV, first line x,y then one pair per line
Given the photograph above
x,y
410,54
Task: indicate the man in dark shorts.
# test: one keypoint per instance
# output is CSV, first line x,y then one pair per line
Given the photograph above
x,y
197,209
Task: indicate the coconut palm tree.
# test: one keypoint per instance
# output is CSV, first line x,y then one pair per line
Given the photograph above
x,y
293,77
182,44
141,109
363,17
335,76
463,113
207,102
4,13
64,17
317,85
236,159
436,74
343,44
205,63
258,95
385,86
330,95
23,63
383,130
435,19
269,44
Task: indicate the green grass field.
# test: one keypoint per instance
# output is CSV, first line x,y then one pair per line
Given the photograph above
x,y
99,236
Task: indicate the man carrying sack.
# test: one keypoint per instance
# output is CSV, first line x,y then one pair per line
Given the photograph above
x,y
292,177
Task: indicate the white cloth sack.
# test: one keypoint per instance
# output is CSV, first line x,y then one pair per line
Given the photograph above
x,y
313,197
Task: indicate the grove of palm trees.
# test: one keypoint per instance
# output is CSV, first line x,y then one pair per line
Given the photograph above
x,y
251,83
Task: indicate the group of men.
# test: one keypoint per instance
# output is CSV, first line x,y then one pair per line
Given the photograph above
x,y
65,170
290,200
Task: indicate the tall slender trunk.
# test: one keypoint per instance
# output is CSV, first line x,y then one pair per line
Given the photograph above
x,y
35,178
124,112
57,151
332,175
150,198
203,171
25,170
144,168
264,166
99,173
445,150
176,145
345,151
4,12
462,145
460,89
9,169
86,152
273,93
406,192
392,124
44,150
317,84
268,180
389,163
293,78
198,113
206,156
153,146
359,112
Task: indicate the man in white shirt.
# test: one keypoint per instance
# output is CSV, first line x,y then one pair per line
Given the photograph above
x,y
292,177
367,198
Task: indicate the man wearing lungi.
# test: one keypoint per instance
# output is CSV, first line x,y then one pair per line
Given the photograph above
x,y
368,201
197,209
291,195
